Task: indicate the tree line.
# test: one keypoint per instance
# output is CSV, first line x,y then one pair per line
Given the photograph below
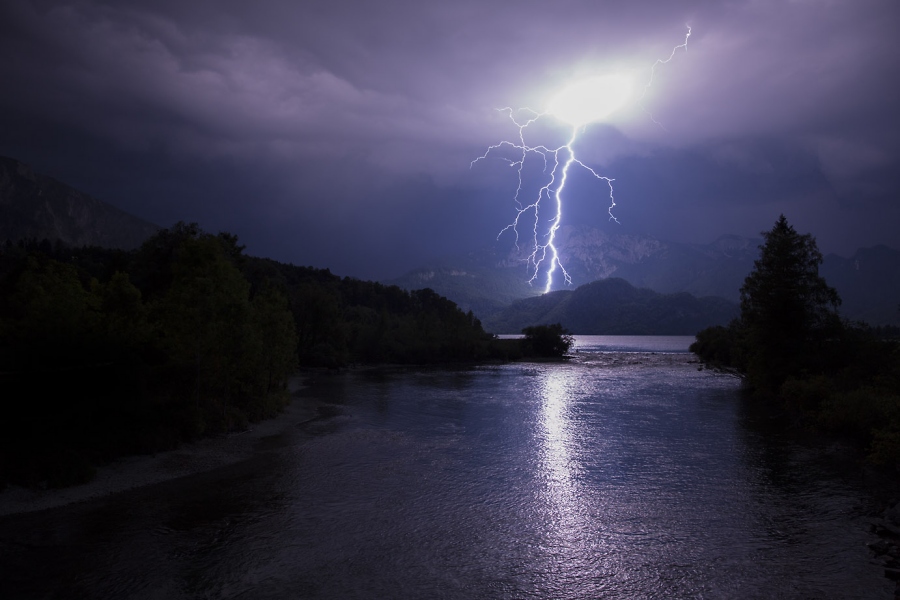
x,y
791,347
105,352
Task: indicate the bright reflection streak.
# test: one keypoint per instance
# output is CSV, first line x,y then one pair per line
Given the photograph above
x,y
557,430
567,516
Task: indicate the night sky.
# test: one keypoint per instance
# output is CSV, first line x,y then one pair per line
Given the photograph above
x,y
341,134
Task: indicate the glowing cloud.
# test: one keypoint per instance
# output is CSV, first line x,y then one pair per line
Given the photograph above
x,y
591,99
580,103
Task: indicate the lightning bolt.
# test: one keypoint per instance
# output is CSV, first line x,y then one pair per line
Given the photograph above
x,y
557,163
659,62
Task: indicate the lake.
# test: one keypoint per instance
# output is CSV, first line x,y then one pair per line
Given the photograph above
x,y
625,472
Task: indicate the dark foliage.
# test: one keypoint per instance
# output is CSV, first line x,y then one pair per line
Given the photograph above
x,y
343,321
788,312
106,352
722,347
546,341
790,346
95,366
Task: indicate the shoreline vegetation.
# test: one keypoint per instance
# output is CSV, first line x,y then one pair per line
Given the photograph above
x,y
799,359
107,354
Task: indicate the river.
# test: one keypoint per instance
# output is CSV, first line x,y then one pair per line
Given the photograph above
x,y
625,472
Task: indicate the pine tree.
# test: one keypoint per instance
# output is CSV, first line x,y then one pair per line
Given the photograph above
x,y
787,309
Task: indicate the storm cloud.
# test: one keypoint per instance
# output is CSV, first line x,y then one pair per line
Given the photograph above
x,y
340,134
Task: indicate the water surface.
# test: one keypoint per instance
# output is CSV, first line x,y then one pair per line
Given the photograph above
x,y
626,472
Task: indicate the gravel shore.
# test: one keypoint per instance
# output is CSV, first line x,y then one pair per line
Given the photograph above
x,y
137,471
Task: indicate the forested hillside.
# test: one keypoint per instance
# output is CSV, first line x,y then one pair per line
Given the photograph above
x,y
107,352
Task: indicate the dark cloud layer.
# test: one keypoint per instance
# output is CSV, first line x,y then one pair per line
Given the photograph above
x,y
341,133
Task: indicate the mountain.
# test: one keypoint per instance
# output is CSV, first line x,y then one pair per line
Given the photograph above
x,y
34,206
484,282
615,307
716,269
489,280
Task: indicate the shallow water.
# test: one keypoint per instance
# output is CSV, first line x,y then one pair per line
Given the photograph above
x,y
625,472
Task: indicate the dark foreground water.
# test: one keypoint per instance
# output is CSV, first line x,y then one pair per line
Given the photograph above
x,y
624,473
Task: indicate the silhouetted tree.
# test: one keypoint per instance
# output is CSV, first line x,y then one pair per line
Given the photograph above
x,y
787,308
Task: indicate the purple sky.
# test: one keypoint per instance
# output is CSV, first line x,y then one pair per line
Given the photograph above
x,y
340,134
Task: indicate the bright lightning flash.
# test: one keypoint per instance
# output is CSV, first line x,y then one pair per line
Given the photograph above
x,y
579,104
591,99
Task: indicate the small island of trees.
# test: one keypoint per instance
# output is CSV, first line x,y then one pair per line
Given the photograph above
x,y
546,341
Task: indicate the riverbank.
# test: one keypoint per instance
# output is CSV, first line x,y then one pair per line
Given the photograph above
x,y
138,471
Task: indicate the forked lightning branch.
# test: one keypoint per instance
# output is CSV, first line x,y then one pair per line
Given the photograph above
x,y
577,105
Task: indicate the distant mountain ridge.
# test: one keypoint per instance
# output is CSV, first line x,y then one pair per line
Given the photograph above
x,y
34,206
615,307
480,281
490,280
716,269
